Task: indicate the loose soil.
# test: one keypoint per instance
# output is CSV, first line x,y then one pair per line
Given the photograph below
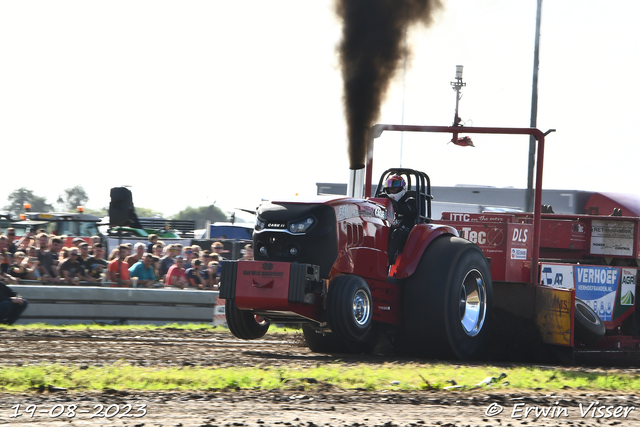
x,y
324,406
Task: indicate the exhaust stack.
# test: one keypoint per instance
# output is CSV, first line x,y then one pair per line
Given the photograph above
x,y
355,186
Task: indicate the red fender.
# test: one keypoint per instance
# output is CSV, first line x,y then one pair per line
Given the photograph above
x,y
420,237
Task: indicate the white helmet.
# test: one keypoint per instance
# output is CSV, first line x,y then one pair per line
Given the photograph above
x,y
395,187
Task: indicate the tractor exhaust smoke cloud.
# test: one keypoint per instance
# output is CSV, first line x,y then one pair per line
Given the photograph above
x,y
370,52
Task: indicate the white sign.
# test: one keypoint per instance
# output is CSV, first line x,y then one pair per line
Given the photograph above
x,y
557,275
612,237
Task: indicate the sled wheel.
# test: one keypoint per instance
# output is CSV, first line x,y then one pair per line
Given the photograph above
x,y
448,301
243,324
350,308
330,343
589,329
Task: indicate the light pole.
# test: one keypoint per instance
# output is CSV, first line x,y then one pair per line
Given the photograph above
x,y
457,86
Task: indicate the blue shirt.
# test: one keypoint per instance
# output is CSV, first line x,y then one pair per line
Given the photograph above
x,y
141,272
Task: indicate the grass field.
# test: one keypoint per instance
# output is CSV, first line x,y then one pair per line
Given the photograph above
x,y
390,376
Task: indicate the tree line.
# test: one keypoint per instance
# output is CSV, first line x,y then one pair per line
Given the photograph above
x,y
76,196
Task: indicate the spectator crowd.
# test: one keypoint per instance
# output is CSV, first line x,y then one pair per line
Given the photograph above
x,y
39,256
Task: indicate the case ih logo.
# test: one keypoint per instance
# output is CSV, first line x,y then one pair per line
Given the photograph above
x,y
276,225
267,266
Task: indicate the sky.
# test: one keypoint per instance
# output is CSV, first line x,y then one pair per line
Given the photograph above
x,y
232,102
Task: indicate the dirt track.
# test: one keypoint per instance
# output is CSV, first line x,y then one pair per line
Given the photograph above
x,y
324,406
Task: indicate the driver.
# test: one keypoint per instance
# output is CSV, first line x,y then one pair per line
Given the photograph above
x,y
405,214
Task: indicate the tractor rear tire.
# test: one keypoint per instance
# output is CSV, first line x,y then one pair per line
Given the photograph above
x,y
448,301
243,324
589,328
350,308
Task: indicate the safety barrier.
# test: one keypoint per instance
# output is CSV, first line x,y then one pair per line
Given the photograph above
x,y
85,305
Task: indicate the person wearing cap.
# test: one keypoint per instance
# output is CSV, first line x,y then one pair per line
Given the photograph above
x,y
176,275
197,277
76,242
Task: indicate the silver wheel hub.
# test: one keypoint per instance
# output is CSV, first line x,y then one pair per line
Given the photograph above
x,y
361,307
473,303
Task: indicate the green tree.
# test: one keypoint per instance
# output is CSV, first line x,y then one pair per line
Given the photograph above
x,y
147,213
201,215
73,197
19,197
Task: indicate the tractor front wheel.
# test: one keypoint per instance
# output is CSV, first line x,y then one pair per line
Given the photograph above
x,y
244,324
448,301
350,308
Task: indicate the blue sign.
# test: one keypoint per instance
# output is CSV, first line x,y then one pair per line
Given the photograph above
x,y
597,287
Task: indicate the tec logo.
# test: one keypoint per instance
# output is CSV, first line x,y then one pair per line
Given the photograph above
x,y
267,266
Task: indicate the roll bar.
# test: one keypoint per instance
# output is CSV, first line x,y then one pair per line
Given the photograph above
x,y
376,131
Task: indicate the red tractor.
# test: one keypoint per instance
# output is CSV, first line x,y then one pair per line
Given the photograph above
x,y
331,265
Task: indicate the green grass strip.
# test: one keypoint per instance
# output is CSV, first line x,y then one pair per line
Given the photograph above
x,y
122,376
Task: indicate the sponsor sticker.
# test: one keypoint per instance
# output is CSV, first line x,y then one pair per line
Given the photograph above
x,y
628,286
597,287
612,237
557,276
518,253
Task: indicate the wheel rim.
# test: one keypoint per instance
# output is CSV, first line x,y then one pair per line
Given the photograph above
x,y
361,307
473,303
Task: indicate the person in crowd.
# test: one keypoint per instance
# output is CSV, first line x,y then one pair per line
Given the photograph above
x,y
118,270
167,260
212,274
206,257
176,275
99,251
114,254
11,305
156,266
95,240
143,270
138,252
76,242
46,261
71,269
4,249
158,250
12,241
153,240
93,267
55,246
4,271
248,252
197,276
218,248
188,257
21,267
196,251
64,255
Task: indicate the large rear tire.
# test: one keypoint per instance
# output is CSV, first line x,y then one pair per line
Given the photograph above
x,y
243,324
448,301
350,308
589,328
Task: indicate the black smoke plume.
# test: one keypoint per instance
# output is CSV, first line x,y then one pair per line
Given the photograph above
x,y
370,53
